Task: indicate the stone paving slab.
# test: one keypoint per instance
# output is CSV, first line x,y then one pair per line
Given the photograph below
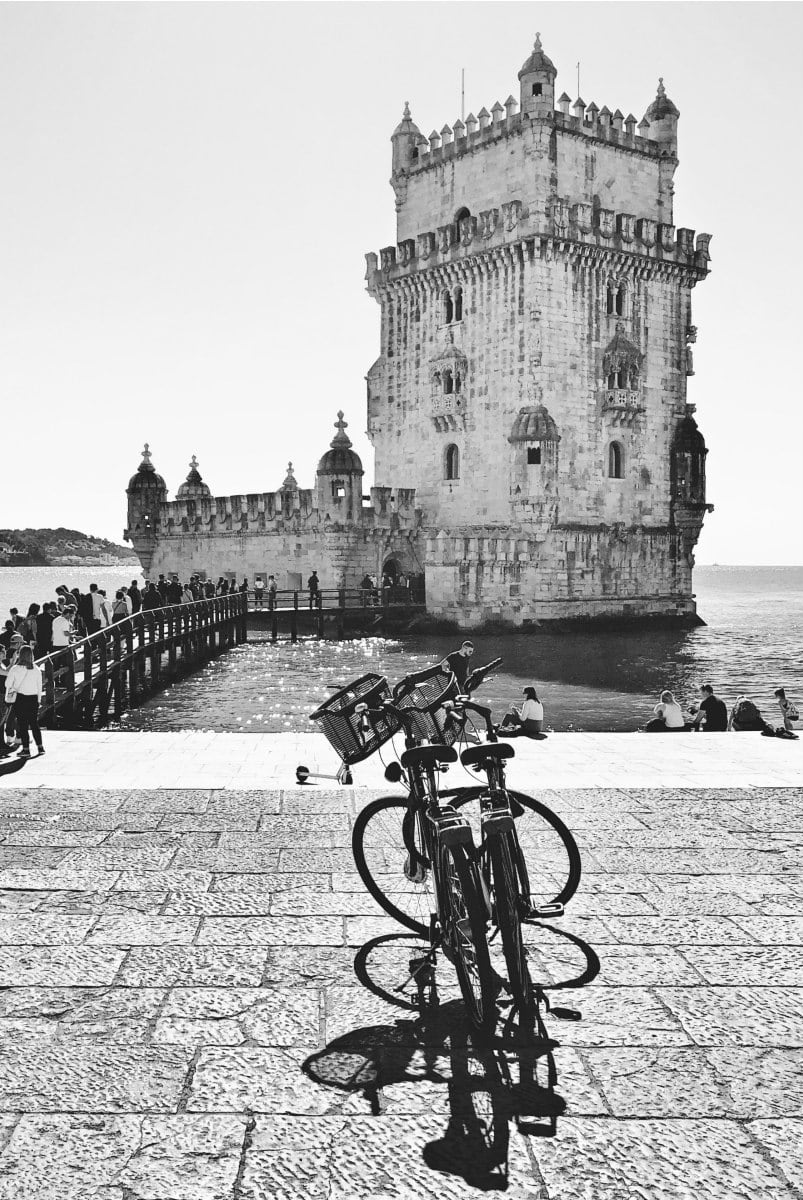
x,y
180,1017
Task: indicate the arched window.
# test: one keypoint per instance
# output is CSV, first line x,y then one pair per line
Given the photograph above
x,y
633,376
457,381
616,460
461,215
621,295
458,303
452,462
448,308
448,383
611,379
609,298
621,377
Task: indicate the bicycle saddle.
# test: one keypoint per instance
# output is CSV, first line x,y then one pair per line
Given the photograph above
x,y
428,756
479,754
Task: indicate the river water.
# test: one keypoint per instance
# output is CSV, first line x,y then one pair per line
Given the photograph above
x,y
587,680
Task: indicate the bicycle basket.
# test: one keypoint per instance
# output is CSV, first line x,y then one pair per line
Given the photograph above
x,y
342,725
425,694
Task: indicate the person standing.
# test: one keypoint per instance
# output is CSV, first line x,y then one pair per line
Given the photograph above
x,y
459,662
24,690
44,629
62,629
135,596
313,586
28,628
186,594
174,591
272,589
259,593
119,608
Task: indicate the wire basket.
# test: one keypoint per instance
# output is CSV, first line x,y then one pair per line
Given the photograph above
x,y
343,726
425,695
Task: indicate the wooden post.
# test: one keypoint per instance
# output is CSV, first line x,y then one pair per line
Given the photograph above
x,y
320,615
294,619
117,673
274,625
50,693
103,678
87,684
69,657
341,613
171,633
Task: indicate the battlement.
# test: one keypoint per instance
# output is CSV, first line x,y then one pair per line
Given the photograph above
x,y
513,223
276,511
503,121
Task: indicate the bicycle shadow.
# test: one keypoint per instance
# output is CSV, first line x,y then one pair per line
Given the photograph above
x,y
491,1083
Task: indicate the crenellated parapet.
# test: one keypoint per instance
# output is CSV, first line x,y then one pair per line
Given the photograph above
x,y
579,228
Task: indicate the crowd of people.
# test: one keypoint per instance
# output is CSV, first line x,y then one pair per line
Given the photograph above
x,y
710,714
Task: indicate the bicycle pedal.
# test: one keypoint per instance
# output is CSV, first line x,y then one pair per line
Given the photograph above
x,y
544,912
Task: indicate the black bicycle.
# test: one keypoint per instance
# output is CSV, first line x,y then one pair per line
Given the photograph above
x,y
396,869
440,867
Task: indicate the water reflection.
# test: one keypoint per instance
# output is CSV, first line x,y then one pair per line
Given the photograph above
x,y
591,681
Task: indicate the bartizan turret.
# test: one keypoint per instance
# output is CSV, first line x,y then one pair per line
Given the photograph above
x,y
146,493
537,82
339,478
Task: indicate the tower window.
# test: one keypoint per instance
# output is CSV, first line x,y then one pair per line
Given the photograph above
x,y
448,383
448,308
615,461
620,300
609,299
458,303
537,88
452,462
534,455
457,382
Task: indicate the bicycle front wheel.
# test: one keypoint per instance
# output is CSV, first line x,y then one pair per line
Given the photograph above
x,y
505,887
392,861
465,934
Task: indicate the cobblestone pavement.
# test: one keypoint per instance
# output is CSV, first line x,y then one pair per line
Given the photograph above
x,y
180,1018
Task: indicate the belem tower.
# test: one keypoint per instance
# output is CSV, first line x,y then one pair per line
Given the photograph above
x,y
537,458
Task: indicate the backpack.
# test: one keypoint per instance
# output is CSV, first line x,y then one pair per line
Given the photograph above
x,y
792,711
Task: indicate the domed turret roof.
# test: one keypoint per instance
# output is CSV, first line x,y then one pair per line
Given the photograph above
x,y
534,424
661,106
407,125
193,486
146,478
340,459
688,439
538,61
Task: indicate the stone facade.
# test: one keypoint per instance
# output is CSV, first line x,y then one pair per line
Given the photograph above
x,y
531,388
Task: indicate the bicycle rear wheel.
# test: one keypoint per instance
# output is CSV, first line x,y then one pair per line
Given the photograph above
x,y
465,939
552,856
506,896
392,862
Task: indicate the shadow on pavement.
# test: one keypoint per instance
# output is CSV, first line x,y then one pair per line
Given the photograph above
x,y
489,1083
8,766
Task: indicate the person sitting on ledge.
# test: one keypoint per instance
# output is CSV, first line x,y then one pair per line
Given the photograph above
x,y
745,718
527,721
668,716
711,714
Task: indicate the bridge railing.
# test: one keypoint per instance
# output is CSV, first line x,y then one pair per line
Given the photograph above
x,y
102,675
332,598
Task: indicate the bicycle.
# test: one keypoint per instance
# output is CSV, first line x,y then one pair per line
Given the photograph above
x,y
439,836
386,828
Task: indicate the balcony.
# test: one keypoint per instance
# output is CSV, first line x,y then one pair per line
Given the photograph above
x,y
448,411
623,405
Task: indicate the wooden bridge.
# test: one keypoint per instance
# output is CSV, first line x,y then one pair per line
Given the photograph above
x,y
334,613
102,675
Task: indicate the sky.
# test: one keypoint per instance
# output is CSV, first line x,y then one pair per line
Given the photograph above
x,y
188,192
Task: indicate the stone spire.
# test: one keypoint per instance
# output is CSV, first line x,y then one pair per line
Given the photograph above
x,y
290,482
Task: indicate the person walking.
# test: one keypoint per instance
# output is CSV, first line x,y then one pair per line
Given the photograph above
x,y
62,629
186,594
135,596
44,629
313,585
28,627
459,662
24,691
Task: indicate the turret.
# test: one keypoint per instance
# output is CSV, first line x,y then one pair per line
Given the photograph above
x,y
193,487
537,79
340,478
405,139
663,120
146,493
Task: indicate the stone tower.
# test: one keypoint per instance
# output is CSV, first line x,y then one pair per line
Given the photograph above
x,y
146,493
534,354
